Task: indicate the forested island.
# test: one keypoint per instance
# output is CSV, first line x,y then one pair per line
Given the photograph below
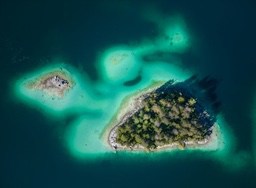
x,y
177,114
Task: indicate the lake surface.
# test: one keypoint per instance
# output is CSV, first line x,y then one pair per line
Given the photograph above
x,y
33,149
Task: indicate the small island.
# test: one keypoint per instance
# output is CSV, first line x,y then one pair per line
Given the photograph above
x,y
175,115
54,84
56,89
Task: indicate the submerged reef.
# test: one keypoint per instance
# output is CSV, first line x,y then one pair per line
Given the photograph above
x,y
118,65
173,115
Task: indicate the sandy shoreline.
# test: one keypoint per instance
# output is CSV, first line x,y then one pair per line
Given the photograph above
x,y
208,144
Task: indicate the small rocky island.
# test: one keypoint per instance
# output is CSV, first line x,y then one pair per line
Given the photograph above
x,y
54,84
175,115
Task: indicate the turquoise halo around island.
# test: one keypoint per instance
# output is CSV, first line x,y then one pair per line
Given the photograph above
x,y
30,89
87,137
59,89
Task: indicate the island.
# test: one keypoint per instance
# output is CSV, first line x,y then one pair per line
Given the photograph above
x,y
55,83
174,115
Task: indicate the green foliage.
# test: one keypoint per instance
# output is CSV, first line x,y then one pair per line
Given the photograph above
x,y
162,120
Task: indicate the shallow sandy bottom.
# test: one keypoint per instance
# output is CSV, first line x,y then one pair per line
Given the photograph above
x,y
78,98
88,136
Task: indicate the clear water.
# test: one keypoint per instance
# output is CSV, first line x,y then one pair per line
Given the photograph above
x,y
34,151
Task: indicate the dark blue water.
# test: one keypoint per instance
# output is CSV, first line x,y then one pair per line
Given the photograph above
x,y
33,153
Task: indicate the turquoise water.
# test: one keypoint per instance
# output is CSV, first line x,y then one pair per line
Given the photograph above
x,y
43,145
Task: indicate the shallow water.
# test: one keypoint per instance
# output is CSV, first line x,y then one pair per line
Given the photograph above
x,y
33,144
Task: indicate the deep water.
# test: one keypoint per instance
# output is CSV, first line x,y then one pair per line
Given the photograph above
x,y
33,150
